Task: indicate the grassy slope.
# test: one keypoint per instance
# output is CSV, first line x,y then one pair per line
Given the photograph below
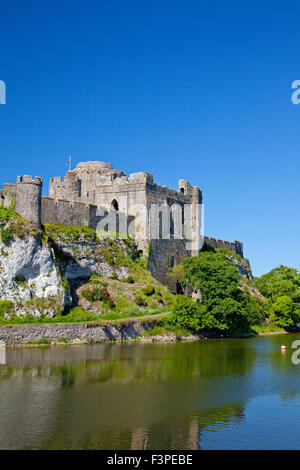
x,y
136,296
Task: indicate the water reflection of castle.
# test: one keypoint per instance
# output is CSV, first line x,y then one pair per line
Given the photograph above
x,y
119,396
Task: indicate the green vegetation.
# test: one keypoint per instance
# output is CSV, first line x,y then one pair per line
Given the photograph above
x,y
223,305
232,304
39,342
227,303
6,213
281,287
68,232
62,340
266,328
6,306
148,290
166,328
12,225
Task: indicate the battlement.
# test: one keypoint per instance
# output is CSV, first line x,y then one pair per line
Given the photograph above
x,y
28,179
235,246
141,177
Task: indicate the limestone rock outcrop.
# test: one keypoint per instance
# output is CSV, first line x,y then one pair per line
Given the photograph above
x,y
29,277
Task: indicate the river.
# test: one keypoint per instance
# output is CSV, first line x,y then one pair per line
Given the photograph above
x,y
211,394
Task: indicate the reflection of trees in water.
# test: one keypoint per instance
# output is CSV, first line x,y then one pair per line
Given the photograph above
x,y
150,363
155,397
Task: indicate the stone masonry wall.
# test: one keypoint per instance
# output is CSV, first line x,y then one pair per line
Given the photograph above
x,y
164,255
28,198
68,213
71,332
235,246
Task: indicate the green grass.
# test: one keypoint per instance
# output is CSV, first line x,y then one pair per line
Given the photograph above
x,y
69,232
79,315
166,330
39,341
267,328
62,340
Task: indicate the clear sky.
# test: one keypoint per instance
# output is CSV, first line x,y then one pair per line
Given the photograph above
x,y
197,90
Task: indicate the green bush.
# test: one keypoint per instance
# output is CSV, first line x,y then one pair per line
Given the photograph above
x,y
148,290
6,306
189,314
255,310
223,301
228,315
140,301
281,311
6,235
128,279
281,287
98,294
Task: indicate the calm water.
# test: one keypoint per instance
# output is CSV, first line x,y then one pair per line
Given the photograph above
x,y
215,394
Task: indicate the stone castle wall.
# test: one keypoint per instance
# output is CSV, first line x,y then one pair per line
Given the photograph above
x,y
95,190
235,246
58,211
8,194
72,332
166,254
29,198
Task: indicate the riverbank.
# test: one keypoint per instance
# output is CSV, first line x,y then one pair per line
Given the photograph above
x,y
89,333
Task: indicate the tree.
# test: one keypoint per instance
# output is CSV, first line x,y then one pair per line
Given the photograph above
x,y
281,311
222,305
279,282
229,315
281,287
188,313
214,275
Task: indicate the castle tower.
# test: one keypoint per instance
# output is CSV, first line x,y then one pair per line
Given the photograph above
x,y
29,198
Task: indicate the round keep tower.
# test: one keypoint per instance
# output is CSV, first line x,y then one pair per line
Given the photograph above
x,y
29,198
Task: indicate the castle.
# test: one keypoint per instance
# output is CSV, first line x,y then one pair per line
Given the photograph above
x,y
166,224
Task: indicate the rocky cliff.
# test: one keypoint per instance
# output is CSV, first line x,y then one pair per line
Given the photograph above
x,y
29,278
44,271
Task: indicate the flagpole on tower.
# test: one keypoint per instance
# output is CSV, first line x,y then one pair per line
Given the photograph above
x,y
70,163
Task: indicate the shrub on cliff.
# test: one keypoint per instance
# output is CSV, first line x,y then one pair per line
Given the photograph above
x,y
6,306
214,275
148,290
223,302
99,294
140,301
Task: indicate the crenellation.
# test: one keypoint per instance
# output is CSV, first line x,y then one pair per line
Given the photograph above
x,y
235,246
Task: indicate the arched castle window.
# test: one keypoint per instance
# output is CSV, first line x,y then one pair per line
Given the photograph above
x,y
115,205
182,190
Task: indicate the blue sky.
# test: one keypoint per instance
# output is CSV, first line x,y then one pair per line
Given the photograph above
x,y
183,89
